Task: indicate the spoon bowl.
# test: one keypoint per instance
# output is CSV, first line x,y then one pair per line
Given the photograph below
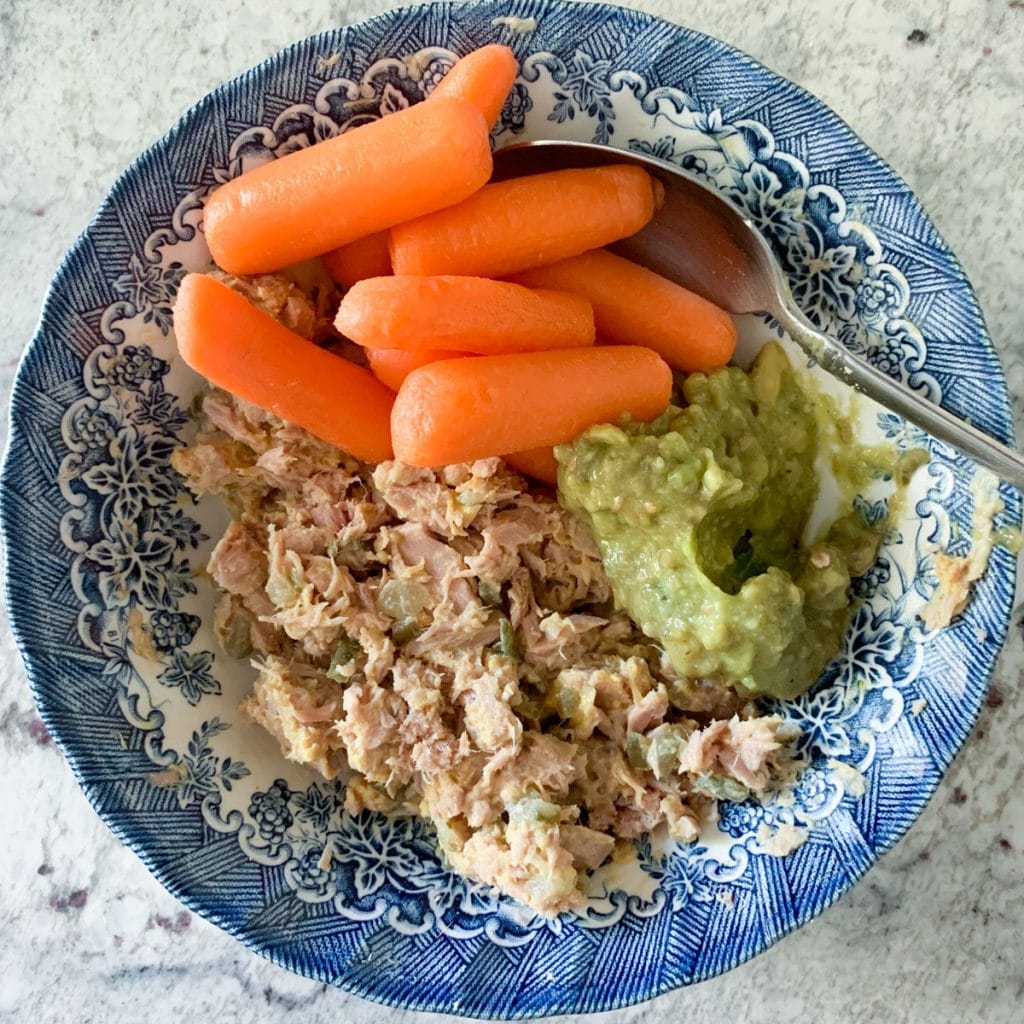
x,y
700,240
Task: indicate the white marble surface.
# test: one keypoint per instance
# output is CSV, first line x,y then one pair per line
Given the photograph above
x,y
934,933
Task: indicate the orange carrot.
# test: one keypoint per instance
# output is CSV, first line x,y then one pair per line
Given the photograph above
x,y
525,222
391,365
635,306
540,463
239,348
363,258
410,163
482,79
458,410
469,314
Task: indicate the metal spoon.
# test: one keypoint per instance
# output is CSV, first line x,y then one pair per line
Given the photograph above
x,y
703,242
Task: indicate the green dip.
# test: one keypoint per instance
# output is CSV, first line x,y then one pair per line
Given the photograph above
x,y
700,518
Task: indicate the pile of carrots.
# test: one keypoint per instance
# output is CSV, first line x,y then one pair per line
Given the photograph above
x,y
478,305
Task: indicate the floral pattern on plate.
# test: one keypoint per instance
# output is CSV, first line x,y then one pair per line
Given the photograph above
x,y
113,613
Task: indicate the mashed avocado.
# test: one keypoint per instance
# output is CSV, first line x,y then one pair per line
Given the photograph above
x,y
700,518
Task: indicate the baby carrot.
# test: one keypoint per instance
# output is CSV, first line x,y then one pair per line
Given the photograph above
x,y
407,164
363,258
458,410
392,365
635,306
482,79
525,222
239,348
540,463
469,314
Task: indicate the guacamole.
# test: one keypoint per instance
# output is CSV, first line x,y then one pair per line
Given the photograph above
x,y
700,519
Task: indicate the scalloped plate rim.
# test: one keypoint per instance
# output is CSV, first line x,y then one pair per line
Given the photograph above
x,y
16,416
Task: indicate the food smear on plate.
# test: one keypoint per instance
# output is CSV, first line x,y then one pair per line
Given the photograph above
x,y
494,578
957,575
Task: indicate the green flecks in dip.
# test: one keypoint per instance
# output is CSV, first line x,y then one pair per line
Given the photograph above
x,y
700,517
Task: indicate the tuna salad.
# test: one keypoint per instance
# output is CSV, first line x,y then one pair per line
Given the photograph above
x,y
445,641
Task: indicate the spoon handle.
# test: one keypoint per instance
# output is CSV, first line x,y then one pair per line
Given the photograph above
x,y
1006,463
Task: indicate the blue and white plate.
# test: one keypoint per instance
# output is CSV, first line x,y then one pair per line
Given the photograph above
x,y
105,546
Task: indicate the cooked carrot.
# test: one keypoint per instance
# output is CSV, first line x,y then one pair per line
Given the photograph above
x,y
525,222
469,314
635,306
314,200
540,463
239,348
481,78
363,258
458,410
392,365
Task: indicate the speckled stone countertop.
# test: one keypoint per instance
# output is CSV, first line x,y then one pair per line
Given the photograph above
x,y
934,933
